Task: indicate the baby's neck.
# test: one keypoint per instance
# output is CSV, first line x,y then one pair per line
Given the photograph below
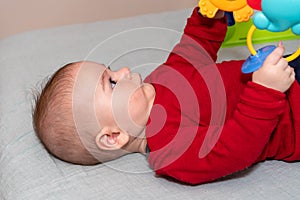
x,y
136,144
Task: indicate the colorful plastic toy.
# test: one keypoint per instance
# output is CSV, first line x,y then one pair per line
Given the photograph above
x,y
241,10
276,16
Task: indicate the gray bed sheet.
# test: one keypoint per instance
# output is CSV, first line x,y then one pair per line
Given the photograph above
x,y
27,171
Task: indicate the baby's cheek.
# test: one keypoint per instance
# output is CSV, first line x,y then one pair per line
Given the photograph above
x,y
132,108
138,113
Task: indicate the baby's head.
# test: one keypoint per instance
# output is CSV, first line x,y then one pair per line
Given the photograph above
x,y
87,114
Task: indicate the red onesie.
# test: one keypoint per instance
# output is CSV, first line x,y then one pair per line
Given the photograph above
x,y
210,120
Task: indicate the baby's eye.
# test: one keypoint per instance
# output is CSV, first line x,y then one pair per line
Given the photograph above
x,y
112,83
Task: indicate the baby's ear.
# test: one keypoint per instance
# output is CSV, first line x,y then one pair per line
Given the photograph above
x,y
109,140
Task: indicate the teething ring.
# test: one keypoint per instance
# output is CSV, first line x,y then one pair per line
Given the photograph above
x,y
253,51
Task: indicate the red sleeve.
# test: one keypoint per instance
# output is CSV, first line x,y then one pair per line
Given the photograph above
x,y
200,33
243,138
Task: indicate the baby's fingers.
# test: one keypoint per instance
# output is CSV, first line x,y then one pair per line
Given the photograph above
x,y
290,71
282,63
275,56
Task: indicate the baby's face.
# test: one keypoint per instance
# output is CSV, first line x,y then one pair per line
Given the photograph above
x,y
116,99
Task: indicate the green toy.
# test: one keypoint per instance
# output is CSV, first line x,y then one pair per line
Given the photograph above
x,y
237,35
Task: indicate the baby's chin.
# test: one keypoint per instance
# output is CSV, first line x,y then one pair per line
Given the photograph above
x,y
136,78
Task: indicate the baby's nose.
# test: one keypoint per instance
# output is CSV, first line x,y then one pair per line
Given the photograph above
x,y
125,70
121,73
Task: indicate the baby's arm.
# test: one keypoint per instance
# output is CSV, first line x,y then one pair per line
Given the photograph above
x,y
202,37
275,72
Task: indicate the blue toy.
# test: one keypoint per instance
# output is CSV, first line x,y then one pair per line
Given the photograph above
x,y
254,62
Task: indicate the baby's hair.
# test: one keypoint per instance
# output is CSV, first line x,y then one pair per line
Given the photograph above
x,y
53,119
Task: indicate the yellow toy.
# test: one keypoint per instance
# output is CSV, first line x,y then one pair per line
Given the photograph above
x,y
241,10
253,51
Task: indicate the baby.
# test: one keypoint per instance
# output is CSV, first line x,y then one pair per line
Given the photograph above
x,y
196,120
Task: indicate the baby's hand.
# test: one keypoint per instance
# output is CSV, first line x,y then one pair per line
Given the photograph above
x,y
275,72
220,14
